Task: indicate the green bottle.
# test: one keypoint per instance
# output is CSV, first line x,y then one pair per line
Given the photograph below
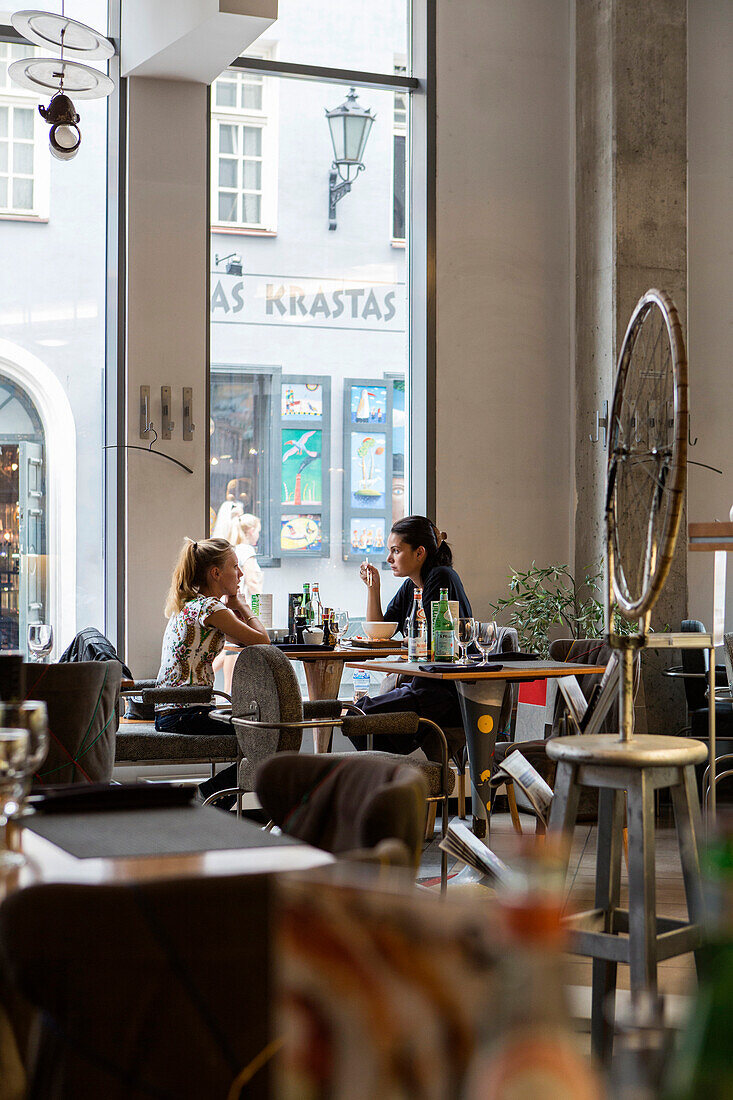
x,y
444,640
307,604
702,1068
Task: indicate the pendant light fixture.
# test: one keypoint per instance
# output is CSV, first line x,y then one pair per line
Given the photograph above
x,y
62,76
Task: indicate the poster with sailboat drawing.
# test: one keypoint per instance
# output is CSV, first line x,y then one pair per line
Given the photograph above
x,y
368,404
301,470
368,451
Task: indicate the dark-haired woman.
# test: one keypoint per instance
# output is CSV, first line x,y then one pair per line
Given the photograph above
x,y
204,611
419,552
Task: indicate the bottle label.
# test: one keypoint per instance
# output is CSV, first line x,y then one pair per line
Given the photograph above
x,y
444,642
417,646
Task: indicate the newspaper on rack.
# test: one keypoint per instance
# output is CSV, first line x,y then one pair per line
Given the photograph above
x,y
587,715
462,844
519,770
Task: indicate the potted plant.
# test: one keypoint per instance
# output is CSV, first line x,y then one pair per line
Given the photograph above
x,y
545,598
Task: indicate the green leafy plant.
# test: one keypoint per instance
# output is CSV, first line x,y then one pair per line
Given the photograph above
x,y
542,598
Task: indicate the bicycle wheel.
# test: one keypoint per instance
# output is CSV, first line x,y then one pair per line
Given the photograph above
x,y
647,456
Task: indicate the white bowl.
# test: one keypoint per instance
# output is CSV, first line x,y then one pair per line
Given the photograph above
x,y
380,632
314,636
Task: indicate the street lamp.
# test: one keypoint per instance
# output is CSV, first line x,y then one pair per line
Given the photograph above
x,y
349,125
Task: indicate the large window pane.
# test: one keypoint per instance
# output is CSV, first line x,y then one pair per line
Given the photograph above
x,y
52,366
309,350
352,34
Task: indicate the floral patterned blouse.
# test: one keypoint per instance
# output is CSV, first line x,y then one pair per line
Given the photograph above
x,y
189,647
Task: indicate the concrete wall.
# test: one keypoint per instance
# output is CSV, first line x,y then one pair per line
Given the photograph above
x,y
504,278
710,256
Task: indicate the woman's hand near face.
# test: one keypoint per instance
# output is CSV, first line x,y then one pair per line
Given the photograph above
x,y
370,576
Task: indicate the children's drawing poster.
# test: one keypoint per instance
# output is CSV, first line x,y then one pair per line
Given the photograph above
x,y
302,400
368,404
302,532
368,468
367,536
301,469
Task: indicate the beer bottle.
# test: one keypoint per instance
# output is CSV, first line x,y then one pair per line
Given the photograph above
x,y
417,630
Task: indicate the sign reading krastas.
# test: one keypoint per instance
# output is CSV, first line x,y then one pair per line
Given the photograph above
x,y
266,299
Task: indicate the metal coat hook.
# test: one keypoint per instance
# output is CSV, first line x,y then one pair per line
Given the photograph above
x,y
691,442
601,425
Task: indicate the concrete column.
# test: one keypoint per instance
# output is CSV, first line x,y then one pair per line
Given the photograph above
x,y
167,318
631,227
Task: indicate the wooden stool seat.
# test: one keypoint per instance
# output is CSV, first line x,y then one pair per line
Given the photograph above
x,y
644,751
631,770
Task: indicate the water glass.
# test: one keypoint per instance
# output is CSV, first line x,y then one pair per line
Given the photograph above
x,y
464,630
33,717
40,641
339,623
13,770
486,634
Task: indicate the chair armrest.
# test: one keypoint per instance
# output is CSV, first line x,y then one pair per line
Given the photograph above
x,y
222,714
249,723
191,694
398,723
322,708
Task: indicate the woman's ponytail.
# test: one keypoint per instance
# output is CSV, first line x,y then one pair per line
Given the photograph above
x,y
194,562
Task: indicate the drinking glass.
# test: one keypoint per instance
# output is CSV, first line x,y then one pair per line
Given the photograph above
x,y
339,623
33,717
486,638
13,769
464,630
40,641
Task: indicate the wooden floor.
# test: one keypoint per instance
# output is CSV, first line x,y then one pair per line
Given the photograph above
x,y
676,976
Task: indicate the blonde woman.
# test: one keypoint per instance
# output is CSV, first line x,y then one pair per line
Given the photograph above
x,y
204,611
244,537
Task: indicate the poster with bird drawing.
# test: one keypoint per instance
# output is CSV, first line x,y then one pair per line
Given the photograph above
x,y
301,473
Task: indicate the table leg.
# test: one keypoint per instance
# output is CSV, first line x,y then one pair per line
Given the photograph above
x,y
481,708
323,678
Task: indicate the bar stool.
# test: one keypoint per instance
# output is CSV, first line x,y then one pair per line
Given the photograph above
x,y
638,767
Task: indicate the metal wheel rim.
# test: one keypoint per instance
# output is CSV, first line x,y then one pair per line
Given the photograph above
x,y
669,497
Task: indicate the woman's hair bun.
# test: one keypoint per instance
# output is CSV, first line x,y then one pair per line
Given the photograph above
x,y
443,536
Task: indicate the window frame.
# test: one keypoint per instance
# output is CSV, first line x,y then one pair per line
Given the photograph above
x,y
420,189
265,119
14,97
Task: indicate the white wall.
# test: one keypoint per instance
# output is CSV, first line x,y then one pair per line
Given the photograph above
x,y
504,286
710,272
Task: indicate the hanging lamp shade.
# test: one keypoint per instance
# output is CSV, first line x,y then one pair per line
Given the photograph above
x,y
45,28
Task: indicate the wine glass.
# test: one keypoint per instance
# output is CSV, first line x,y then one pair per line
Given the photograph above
x,y
339,623
464,630
486,638
13,768
40,641
33,717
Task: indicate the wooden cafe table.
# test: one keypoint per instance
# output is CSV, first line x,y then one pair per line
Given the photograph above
x,y
250,852
323,671
480,694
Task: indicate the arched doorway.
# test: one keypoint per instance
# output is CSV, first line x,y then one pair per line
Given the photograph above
x,y
38,500
23,550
